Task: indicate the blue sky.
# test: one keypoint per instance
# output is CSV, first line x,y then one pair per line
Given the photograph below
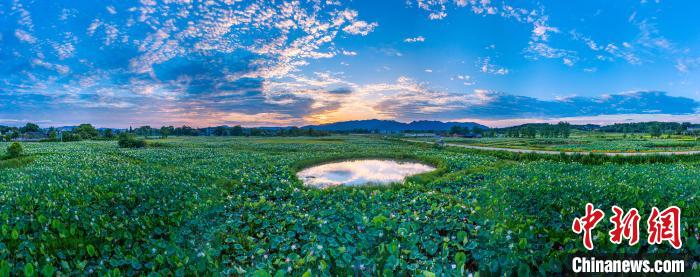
x,y
175,62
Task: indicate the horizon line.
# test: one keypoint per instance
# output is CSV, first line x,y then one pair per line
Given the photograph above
x,y
519,123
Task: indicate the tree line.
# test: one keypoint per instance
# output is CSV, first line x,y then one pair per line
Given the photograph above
x,y
533,130
563,129
656,129
89,132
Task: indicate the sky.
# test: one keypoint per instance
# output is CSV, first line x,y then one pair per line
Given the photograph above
x,y
280,63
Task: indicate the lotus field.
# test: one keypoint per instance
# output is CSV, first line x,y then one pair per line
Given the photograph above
x,y
588,142
233,206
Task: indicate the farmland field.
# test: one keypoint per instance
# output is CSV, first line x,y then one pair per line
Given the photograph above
x,y
234,206
587,142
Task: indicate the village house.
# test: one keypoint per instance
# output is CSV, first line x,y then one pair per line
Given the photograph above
x,y
32,136
419,135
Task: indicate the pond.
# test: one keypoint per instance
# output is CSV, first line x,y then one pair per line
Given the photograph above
x,y
360,172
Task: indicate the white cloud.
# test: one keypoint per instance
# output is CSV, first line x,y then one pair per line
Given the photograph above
x,y
650,37
624,54
465,79
66,14
25,18
414,39
389,51
568,61
540,29
360,28
605,119
438,8
437,15
611,51
25,36
588,41
256,119
62,69
282,36
536,17
685,65
63,50
536,50
93,26
486,66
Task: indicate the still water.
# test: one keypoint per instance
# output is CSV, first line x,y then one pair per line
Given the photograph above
x,y
360,172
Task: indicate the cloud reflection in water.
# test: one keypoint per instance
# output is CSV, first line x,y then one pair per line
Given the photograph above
x,y
360,172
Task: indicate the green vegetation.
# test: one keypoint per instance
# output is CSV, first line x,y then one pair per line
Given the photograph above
x,y
232,206
564,130
14,150
654,128
127,140
588,141
15,162
29,127
86,131
533,130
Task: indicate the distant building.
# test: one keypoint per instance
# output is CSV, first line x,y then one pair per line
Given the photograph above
x,y
466,135
65,129
419,135
32,136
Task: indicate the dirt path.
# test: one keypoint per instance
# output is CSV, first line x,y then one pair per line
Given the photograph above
x,y
558,152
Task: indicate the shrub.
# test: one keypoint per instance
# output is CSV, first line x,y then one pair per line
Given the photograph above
x,y
68,136
155,144
14,150
129,141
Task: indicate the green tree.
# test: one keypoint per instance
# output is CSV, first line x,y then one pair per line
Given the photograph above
x,y
529,132
127,140
220,131
455,130
237,130
109,133
655,131
14,150
477,131
86,131
69,136
30,127
52,134
166,131
144,131
564,129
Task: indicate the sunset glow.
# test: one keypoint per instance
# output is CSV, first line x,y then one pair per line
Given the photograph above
x,y
262,63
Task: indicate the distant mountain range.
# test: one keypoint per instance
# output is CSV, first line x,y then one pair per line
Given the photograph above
x,y
393,126
370,124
